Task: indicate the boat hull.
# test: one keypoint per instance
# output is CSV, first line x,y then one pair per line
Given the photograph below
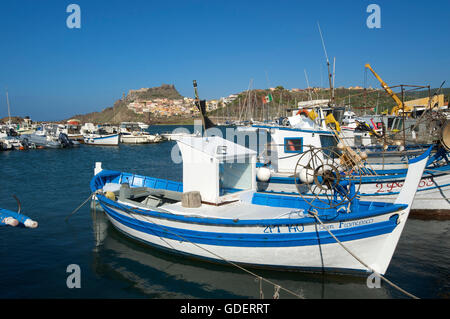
x,y
102,140
286,245
433,192
138,139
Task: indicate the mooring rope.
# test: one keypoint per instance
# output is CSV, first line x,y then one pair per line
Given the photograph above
x,y
81,205
315,214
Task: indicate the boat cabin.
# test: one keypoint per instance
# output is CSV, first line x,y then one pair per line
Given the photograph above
x,y
220,170
288,144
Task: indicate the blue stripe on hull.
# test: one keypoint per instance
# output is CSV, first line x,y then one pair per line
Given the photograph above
x,y
253,240
264,266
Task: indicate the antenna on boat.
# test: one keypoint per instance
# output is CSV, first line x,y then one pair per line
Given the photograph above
x,y
330,76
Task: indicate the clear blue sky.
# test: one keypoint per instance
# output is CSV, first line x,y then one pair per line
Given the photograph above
x,y
52,72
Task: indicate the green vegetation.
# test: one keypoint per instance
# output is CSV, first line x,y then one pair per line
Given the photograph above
x,y
250,104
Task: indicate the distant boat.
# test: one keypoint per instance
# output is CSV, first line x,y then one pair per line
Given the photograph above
x,y
10,140
102,138
102,135
132,133
48,136
73,130
143,125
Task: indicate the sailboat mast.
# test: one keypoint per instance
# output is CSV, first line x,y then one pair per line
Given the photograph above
x,y
9,111
307,83
334,77
330,76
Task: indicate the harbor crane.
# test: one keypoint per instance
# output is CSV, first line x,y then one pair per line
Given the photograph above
x,y
400,104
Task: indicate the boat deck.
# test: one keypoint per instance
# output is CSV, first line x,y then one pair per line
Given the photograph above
x,y
236,210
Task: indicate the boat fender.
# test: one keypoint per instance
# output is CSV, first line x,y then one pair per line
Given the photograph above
x,y
306,175
29,223
263,174
10,221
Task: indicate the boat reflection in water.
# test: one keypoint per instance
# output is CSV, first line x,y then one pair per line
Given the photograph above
x,y
153,273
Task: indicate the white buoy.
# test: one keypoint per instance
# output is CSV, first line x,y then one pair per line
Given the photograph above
x,y
263,174
306,175
29,223
10,221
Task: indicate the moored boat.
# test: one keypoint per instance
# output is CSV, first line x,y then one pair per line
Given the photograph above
x,y
216,214
132,133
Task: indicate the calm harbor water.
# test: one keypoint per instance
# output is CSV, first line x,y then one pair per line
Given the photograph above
x,y
52,183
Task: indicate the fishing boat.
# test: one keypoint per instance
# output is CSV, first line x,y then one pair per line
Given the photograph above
x,y
99,136
132,133
380,179
216,214
73,130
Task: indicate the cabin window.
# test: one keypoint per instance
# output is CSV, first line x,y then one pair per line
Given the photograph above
x,y
235,177
293,145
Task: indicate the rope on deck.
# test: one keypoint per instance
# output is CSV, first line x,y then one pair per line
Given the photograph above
x,y
316,216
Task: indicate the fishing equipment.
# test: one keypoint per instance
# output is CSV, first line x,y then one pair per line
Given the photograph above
x,y
328,177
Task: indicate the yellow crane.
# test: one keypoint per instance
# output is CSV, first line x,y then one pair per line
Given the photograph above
x,y
400,105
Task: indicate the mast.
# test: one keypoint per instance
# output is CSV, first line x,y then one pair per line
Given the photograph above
x,y
334,76
307,83
9,111
201,105
330,76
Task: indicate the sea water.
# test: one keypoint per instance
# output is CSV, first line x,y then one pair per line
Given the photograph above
x,y
35,263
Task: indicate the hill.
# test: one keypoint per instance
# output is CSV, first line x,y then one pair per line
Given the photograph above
x,y
119,112
250,104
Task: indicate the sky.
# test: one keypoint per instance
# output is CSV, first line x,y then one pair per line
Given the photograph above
x,y
52,72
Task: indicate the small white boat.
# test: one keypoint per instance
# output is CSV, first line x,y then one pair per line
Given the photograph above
x,y
132,133
216,214
102,139
102,135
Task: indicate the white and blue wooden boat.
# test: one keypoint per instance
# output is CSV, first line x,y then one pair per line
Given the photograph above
x,y
232,222
101,139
